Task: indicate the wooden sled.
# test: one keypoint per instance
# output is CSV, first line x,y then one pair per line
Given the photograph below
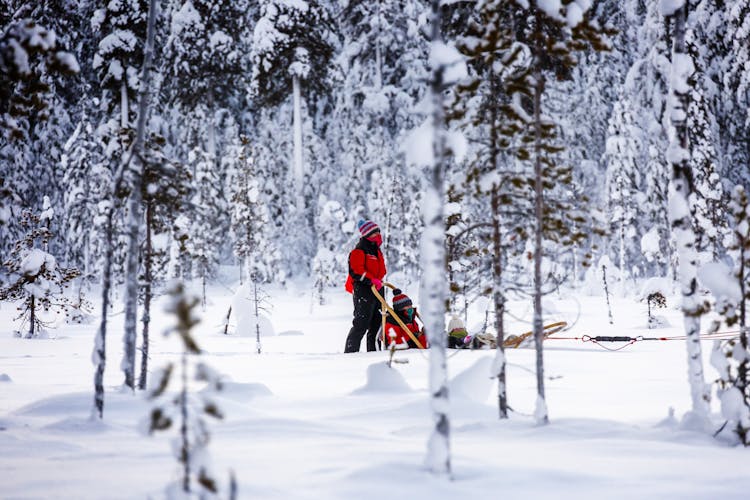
x,y
516,341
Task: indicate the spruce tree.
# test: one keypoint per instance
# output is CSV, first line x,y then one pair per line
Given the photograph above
x,y
732,358
548,35
37,281
186,411
681,209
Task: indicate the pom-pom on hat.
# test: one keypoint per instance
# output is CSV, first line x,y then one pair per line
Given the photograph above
x,y
367,227
400,300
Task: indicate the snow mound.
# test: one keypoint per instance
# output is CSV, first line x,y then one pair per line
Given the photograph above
x,y
4,377
291,333
670,422
243,392
382,378
81,404
55,406
474,383
77,424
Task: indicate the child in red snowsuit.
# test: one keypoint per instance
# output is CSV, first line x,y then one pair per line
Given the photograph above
x,y
406,311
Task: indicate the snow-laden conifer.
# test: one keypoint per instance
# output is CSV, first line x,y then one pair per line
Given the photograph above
x,y
37,282
179,408
732,293
681,209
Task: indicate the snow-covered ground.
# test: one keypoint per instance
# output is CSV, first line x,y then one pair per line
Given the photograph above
x,y
304,421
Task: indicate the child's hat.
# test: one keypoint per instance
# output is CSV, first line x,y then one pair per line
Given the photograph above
x,y
367,227
455,324
400,300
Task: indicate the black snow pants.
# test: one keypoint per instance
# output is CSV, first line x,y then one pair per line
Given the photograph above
x,y
366,319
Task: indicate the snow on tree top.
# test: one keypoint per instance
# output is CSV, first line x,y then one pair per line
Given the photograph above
x,y
669,7
31,265
717,277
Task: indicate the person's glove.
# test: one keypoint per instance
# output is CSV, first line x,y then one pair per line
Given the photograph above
x,y
377,283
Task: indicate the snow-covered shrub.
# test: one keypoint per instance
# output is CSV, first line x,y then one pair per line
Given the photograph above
x,y
36,280
185,411
654,292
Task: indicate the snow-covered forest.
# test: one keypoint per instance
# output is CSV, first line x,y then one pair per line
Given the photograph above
x,y
170,153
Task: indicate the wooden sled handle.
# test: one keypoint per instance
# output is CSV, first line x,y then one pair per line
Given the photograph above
x,y
395,316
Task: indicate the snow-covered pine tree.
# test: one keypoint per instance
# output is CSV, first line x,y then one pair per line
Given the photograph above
x,y
378,79
36,279
704,138
121,26
186,411
623,181
135,164
330,264
551,34
250,219
205,75
165,191
681,209
736,79
292,48
489,46
644,97
732,358
205,233
31,60
87,179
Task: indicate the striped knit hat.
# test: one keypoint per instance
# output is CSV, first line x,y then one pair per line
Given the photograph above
x,y
400,300
367,227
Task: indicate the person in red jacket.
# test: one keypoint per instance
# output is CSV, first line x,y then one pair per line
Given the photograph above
x,y
366,268
407,313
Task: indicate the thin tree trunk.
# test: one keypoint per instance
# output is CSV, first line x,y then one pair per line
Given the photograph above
x,y
32,321
185,443
148,262
432,286
297,166
134,207
497,262
622,242
540,412
124,111
100,353
499,299
379,51
678,154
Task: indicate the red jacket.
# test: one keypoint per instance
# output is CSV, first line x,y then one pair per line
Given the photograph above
x,y
365,263
399,336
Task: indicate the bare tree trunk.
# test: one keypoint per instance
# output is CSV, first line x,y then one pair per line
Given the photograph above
x,y
184,442
124,111
32,314
497,263
99,355
147,262
134,223
499,299
432,286
680,214
540,412
297,165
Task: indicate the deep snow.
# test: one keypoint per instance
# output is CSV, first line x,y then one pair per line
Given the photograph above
x,y
305,421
